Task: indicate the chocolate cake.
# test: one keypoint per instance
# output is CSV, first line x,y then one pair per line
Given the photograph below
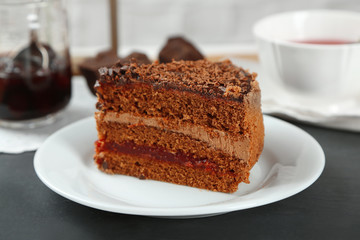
x,y
178,48
194,123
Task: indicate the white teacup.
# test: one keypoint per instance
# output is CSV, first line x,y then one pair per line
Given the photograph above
x,y
315,52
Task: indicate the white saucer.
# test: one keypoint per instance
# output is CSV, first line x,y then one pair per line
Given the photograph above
x,y
276,100
291,161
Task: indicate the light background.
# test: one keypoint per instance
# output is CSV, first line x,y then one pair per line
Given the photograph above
x,y
145,25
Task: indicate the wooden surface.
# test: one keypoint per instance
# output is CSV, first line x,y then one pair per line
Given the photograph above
x,y
328,209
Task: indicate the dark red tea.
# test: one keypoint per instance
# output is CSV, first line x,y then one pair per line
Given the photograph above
x,y
324,41
28,90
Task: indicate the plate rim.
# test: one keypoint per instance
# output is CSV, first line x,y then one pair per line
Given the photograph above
x,y
193,211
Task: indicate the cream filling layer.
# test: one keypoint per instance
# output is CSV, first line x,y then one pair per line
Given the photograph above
x,y
236,146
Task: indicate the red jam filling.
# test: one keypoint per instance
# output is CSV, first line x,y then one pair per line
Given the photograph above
x,y
156,153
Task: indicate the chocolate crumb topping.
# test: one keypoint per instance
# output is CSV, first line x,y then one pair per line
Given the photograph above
x,y
219,79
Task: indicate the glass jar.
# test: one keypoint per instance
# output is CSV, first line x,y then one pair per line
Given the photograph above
x,y
35,70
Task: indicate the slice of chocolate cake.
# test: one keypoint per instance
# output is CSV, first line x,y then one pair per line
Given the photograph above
x,y
195,123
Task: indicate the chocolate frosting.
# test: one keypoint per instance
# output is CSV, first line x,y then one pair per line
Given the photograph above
x,y
233,145
219,79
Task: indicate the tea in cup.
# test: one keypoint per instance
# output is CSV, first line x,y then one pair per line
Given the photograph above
x,y
315,53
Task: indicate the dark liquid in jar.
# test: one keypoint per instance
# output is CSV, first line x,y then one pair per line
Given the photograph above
x,y
28,91
324,41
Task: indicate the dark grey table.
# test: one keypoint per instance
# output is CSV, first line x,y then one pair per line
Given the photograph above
x,y
329,209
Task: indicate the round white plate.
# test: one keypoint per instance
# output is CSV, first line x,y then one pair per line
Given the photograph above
x,y
291,161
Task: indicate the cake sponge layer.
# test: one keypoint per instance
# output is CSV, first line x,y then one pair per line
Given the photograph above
x,y
172,142
148,168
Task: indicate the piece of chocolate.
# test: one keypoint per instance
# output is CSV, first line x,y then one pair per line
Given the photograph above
x,y
90,67
178,48
139,57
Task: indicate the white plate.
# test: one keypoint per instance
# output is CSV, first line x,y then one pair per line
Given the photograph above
x,y
291,161
276,100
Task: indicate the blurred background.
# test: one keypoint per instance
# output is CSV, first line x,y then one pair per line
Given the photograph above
x,y
214,26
